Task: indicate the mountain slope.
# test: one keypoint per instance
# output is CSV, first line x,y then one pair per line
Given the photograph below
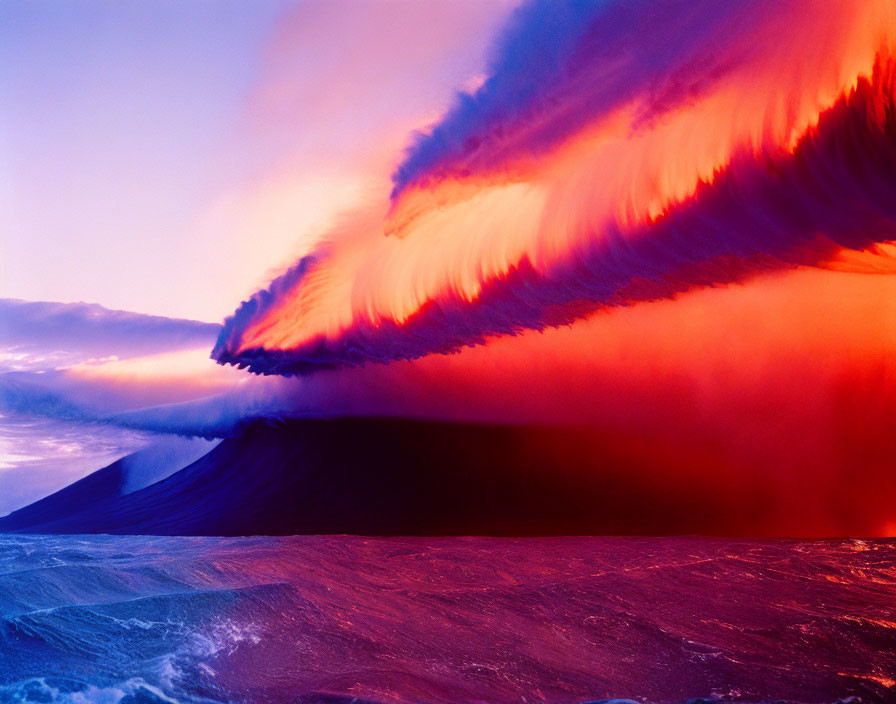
x,y
389,476
97,491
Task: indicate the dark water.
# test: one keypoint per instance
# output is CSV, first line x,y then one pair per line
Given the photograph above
x,y
327,619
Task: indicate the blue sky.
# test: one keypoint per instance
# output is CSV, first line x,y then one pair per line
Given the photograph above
x,y
164,157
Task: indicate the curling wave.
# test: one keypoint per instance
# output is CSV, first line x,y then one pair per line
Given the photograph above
x,y
591,171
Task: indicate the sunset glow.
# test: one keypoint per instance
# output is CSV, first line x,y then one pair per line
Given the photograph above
x,y
448,351
565,204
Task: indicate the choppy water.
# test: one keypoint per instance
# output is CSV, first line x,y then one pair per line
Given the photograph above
x,y
327,619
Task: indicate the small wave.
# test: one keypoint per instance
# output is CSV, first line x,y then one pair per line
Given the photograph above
x,y
329,698
343,620
51,690
152,650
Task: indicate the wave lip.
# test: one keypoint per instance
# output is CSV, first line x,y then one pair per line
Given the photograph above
x,y
506,234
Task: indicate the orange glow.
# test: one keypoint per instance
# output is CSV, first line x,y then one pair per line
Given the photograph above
x,y
787,379
452,237
160,378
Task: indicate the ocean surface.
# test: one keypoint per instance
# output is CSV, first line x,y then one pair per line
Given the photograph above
x,y
137,619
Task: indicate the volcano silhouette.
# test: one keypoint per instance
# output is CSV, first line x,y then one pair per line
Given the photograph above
x,y
389,477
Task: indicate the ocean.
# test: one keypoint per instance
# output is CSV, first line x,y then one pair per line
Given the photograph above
x,y
338,619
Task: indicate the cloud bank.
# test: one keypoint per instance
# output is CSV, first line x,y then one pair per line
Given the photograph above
x,y
44,335
84,363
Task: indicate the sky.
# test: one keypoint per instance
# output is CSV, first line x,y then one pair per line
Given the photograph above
x,y
170,158
165,157
657,220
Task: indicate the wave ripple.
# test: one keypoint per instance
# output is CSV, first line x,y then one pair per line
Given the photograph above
x,y
339,619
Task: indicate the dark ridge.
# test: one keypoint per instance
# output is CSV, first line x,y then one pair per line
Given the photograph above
x,y
402,477
96,488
